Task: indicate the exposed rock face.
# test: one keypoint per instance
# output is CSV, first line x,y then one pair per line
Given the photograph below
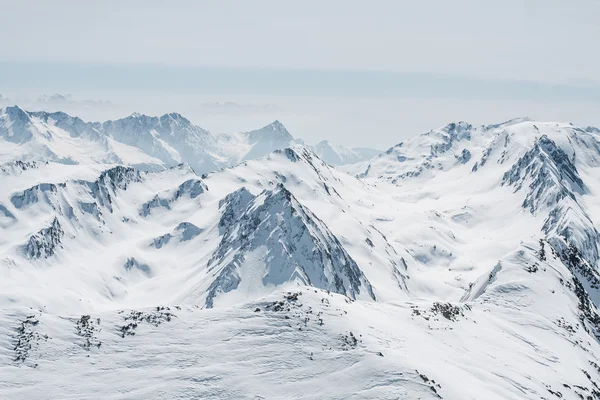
x,y
18,166
464,157
184,231
44,243
299,246
34,194
192,188
134,264
109,181
549,174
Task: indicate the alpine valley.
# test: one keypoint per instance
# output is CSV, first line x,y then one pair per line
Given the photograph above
x,y
147,258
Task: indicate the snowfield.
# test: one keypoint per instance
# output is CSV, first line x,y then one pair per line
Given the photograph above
x,y
321,345
459,264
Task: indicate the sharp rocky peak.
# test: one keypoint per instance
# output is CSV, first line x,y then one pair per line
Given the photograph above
x,y
276,126
298,245
105,187
16,125
44,243
16,112
549,172
174,118
301,153
138,118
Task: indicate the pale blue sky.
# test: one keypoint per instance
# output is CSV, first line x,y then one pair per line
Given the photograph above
x,y
518,57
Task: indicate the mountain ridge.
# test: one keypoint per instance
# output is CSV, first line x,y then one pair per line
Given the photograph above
x,y
452,263
139,140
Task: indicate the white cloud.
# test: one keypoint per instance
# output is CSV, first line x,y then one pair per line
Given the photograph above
x,y
233,108
67,100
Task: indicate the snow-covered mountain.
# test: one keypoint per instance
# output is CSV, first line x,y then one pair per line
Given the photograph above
x,y
147,143
459,264
171,138
245,146
258,143
58,137
339,155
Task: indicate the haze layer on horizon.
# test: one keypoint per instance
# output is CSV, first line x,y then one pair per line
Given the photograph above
x,y
355,73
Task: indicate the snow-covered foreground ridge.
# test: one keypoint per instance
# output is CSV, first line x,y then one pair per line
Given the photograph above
x,y
460,264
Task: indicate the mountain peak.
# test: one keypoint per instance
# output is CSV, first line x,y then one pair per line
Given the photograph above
x,y
276,125
15,112
457,129
174,117
15,124
547,172
302,248
165,119
267,139
274,129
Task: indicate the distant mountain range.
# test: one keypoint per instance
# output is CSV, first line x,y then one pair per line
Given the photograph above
x,y
145,142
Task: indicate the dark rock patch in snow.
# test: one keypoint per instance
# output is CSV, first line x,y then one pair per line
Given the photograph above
x,y
132,263
44,243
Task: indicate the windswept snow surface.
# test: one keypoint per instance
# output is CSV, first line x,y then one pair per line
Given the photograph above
x,y
459,264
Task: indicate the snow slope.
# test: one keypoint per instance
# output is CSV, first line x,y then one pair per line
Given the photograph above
x,y
460,264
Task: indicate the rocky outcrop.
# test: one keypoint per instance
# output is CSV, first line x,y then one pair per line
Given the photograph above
x,y
297,245
44,243
192,188
547,173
